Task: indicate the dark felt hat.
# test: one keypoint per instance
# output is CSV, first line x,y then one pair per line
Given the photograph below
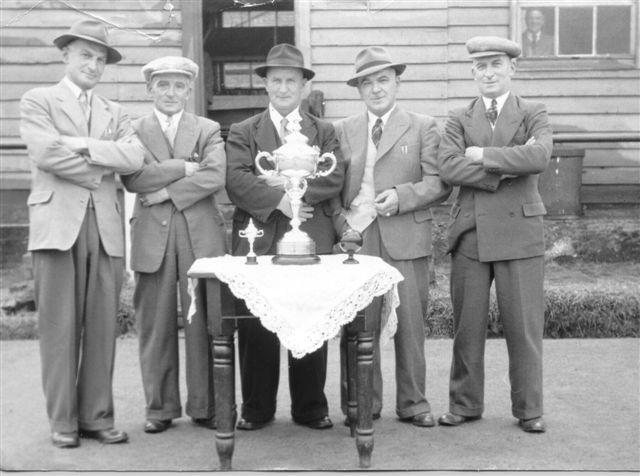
x,y
284,55
480,46
89,30
371,60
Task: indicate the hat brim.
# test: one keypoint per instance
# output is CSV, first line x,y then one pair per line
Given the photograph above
x,y
262,70
63,40
399,67
482,54
149,76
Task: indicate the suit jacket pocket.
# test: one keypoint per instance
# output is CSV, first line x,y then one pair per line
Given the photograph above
x,y
422,215
40,196
534,209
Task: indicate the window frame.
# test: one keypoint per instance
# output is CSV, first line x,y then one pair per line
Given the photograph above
x,y
586,62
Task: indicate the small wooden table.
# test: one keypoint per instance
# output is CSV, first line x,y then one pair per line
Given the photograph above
x,y
218,301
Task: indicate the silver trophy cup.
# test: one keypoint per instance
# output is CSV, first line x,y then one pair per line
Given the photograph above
x,y
297,162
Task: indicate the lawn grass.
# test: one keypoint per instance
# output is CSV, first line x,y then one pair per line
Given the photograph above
x,y
582,300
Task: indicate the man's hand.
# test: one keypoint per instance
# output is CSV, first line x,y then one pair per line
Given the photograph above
x,y
190,168
159,196
474,153
76,144
387,202
275,181
306,211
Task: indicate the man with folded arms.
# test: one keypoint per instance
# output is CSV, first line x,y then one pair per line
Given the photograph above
x,y
175,221
77,141
494,149
392,180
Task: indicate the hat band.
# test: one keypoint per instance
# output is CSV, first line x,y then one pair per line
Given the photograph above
x,y
373,64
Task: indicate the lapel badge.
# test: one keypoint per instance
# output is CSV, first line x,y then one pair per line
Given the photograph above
x,y
404,149
195,157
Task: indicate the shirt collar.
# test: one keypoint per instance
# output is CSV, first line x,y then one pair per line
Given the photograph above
x,y
385,117
500,100
77,90
276,117
163,118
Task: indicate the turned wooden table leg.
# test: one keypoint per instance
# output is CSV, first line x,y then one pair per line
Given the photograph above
x,y
352,378
364,429
224,387
223,372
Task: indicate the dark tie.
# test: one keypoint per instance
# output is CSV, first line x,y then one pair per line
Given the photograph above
x,y
376,132
492,112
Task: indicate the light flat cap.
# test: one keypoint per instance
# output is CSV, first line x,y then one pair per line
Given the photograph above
x,y
170,64
479,46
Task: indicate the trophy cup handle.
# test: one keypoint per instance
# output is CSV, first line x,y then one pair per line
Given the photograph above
x,y
324,157
270,158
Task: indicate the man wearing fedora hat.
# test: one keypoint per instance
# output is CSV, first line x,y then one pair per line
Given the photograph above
x,y
77,140
174,222
494,149
392,180
264,200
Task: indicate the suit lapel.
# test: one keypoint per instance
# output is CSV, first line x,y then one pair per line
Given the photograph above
x,y
507,123
71,107
186,136
395,127
357,135
265,134
308,128
153,138
476,124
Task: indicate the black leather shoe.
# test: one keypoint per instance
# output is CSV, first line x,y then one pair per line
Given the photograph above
x,y
153,425
374,416
533,425
452,419
322,423
424,420
209,423
65,440
108,437
251,425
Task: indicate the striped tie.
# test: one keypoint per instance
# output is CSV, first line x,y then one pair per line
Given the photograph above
x,y
492,112
376,132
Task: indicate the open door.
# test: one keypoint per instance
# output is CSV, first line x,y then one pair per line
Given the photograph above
x,y
237,35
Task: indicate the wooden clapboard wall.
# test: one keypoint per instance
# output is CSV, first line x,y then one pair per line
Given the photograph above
x,y
430,35
28,59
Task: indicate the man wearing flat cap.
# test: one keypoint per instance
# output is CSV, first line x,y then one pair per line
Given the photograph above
x,y
391,181
263,199
174,222
494,149
77,141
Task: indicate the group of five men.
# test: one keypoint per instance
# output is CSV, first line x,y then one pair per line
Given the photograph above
x,y
392,165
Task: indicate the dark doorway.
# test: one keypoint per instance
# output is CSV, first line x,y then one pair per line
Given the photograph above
x,y
237,35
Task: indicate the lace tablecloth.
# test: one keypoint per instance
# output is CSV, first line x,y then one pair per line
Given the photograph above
x,y
306,305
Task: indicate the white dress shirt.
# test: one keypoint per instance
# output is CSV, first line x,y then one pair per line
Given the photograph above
x,y
169,124
77,91
293,120
500,100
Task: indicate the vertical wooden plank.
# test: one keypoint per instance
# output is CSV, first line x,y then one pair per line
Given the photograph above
x,y
192,47
302,28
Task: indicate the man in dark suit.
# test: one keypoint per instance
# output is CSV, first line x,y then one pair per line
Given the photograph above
x,y
77,140
392,179
175,221
494,149
263,199
534,41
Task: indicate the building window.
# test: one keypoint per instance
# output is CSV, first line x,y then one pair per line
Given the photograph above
x,y
585,29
